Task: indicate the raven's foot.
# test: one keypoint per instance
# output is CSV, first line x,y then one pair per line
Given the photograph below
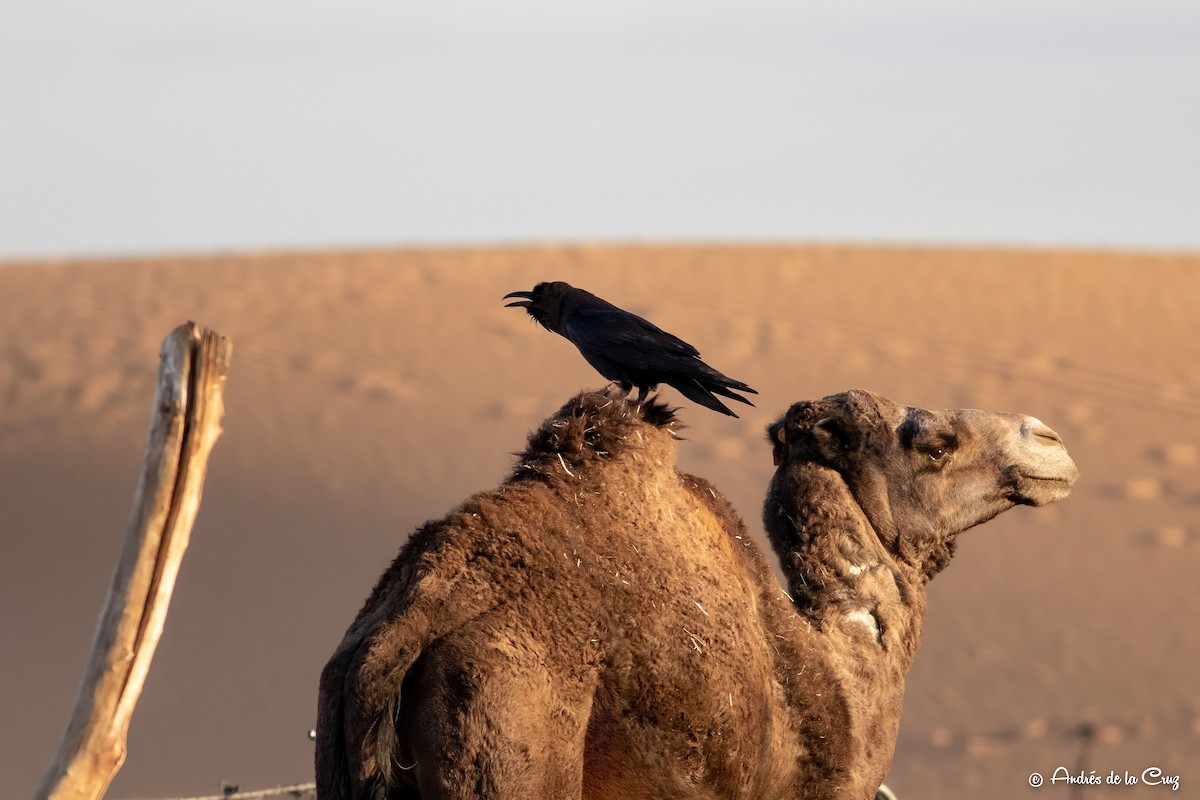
x,y
613,387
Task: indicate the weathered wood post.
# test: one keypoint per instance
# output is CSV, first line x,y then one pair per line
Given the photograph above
x,y
185,425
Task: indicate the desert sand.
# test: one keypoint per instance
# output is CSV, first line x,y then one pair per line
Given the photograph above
x,y
373,390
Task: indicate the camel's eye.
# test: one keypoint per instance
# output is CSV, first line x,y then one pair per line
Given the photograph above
x,y
939,450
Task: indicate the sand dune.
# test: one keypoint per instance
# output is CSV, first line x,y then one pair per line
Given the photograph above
x,y
371,391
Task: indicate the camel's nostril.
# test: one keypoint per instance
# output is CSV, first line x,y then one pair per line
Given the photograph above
x,y
1040,432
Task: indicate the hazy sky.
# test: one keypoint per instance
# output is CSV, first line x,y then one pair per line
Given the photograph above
x,y
146,126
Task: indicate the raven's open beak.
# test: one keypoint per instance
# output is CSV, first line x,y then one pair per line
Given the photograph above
x,y
526,303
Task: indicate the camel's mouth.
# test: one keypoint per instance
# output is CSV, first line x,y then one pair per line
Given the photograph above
x,y
1040,490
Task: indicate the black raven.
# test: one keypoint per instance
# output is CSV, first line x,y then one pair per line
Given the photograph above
x,y
625,348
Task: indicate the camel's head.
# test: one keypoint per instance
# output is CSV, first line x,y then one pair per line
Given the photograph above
x,y
922,477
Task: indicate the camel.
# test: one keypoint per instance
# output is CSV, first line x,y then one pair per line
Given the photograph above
x,y
601,625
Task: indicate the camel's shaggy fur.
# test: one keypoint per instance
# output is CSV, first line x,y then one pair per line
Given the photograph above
x,y
602,626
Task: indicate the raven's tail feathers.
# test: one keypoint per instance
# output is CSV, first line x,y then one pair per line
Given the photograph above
x,y
697,392
724,392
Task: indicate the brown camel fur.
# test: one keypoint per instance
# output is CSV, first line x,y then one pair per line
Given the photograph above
x,y
602,626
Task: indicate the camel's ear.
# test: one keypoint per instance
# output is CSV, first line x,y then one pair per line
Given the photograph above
x,y
777,436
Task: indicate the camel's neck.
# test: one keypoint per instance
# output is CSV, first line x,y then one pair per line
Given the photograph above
x,y
838,570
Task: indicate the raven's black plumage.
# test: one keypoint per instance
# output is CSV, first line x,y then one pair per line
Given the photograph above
x,y
625,348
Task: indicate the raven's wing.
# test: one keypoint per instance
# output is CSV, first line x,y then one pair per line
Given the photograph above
x,y
639,344
628,339
625,347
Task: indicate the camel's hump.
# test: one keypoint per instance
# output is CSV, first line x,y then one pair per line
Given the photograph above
x,y
597,425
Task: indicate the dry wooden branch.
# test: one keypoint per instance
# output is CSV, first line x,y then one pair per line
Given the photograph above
x,y
294,790
184,427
